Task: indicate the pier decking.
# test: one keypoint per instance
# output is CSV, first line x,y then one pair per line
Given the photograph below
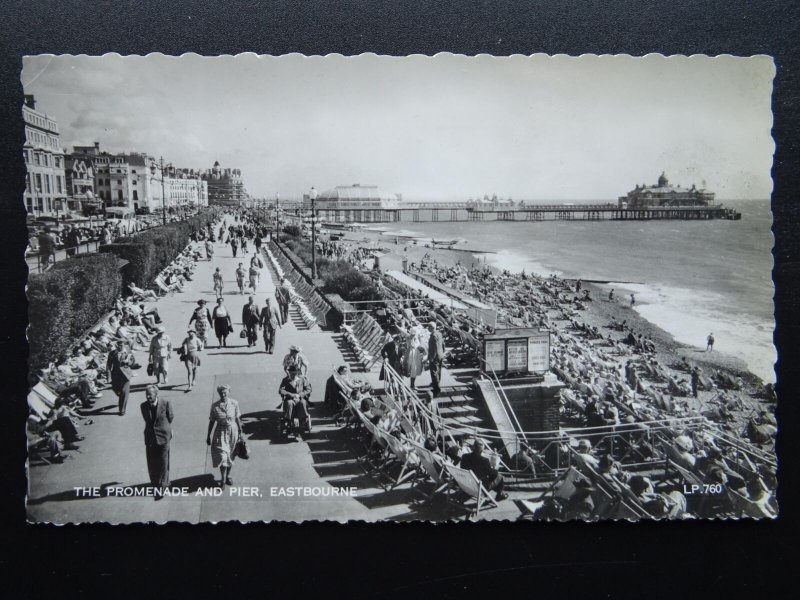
x,y
435,212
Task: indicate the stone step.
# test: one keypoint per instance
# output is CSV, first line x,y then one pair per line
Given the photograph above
x,y
457,410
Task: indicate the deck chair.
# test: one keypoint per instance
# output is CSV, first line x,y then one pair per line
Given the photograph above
x,y
46,393
472,487
406,457
433,466
563,488
162,285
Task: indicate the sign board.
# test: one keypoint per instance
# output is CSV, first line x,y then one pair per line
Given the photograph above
x,y
517,355
495,352
519,350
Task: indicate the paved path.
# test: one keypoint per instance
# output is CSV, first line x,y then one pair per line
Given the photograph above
x,y
113,455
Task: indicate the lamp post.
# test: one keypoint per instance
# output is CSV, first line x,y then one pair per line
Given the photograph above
x,y
277,217
162,168
313,195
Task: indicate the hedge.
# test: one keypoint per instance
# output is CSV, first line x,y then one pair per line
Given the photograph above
x,y
150,251
66,301
339,276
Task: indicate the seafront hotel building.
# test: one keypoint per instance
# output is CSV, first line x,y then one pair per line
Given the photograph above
x,y
45,183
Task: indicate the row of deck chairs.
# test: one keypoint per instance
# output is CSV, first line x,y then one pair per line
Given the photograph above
x,y
283,268
366,338
185,258
398,460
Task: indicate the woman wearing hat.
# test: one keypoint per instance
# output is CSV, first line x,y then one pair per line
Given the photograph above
x,y
222,323
160,353
225,422
202,320
191,348
295,359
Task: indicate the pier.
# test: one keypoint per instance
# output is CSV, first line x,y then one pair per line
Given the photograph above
x,y
437,212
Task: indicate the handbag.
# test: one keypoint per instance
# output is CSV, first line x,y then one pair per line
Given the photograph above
x,y
243,334
242,451
150,369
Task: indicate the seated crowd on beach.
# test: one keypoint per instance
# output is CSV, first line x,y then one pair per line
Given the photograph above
x,y
614,380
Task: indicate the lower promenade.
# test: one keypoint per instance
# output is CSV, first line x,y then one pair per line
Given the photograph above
x,y
315,479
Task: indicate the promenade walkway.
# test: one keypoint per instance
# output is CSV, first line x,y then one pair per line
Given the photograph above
x,y
113,454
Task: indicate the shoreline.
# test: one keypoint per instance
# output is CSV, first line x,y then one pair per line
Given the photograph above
x,y
598,313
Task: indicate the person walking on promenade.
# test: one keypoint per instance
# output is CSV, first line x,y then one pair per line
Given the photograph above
x,y
295,358
72,240
225,422
47,247
435,357
710,342
251,317
243,242
241,273
119,366
257,242
234,244
633,300
415,354
222,323
255,274
218,283
391,354
209,250
270,322
202,320
160,353
283,297
611,295
191,347
157,414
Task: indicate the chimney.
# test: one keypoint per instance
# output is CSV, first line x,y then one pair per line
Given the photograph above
x,y
97,145
30,102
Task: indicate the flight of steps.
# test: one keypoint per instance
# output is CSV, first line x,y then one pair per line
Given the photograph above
x,y
462,411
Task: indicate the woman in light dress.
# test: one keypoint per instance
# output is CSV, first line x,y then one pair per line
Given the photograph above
x,y
415,353
191,347
225,423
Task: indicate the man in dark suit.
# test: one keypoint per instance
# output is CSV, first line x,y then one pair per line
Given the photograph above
x,y
118,366
435,357
157,414
270,322
251,317
476,462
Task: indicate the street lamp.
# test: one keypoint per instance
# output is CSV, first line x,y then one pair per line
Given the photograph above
x,y
277,217
313,195
162,168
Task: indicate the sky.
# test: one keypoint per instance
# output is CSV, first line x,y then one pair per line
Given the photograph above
x,y
431,128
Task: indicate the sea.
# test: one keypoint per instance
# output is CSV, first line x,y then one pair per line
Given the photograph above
x,y
690,278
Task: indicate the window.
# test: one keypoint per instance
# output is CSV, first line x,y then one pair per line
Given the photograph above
x,y
119,194
47,184
135,195
134,182
58,162
39,183
59,186
37,159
